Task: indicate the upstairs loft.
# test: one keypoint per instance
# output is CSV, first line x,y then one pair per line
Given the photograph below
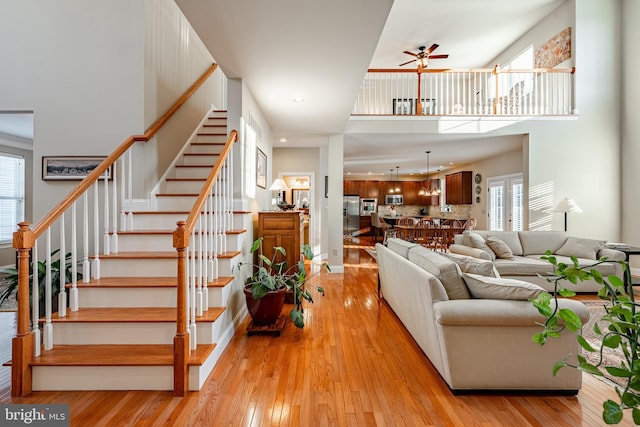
x,y
474,100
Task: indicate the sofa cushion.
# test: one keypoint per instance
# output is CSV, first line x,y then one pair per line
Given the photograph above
x,y
469,251
523,266
500,248
478,242
538,242
469,264
401,247
499,288
581,248
443,268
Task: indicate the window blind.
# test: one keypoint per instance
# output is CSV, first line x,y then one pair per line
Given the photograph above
x,y
11,195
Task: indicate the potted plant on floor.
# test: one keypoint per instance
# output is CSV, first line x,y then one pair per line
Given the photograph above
x,y
618,328
266,287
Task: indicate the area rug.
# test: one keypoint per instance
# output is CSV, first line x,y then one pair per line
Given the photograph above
x,y
610,356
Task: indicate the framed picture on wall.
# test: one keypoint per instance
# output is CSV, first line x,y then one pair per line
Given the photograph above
x,y
403,106
428,105
261,169
67,168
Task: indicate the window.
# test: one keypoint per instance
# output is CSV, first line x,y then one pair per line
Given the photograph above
x,y
508,81
11,195
505,208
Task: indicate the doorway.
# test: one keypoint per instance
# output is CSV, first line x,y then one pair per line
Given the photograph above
x,y
505,210
302,194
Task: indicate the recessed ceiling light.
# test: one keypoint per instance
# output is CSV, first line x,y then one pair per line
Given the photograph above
x,y
368,173
283,139
298,99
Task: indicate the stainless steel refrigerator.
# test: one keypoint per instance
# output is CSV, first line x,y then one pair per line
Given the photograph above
x,y
351,215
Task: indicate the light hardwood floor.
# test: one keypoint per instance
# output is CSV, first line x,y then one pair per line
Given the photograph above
x,y
353,365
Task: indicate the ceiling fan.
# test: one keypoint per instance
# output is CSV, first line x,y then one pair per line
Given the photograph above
x,y
424,55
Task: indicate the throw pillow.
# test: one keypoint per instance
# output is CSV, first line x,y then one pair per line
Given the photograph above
x,y
499,288
501,249
473,265
441,267
581,248
477,241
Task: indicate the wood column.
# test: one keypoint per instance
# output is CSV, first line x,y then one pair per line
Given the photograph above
x,y
22,344
181,340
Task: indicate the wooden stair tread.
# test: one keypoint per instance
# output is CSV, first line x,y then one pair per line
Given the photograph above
x,y
118,355
194,166
144,282
200,154
163,232
186,179
158,255
130,314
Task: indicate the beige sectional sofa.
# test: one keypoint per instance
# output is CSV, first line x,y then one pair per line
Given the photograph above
x,y
526,247
474,343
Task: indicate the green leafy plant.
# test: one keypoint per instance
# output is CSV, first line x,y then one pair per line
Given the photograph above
x,y
11,278
270,275
623,333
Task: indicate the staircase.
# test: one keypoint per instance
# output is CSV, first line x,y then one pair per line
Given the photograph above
x,y
121,337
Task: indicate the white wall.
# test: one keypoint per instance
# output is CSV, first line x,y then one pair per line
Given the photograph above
x,y
630,124
78,66
579,158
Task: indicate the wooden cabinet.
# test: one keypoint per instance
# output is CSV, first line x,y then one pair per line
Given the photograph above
x,y
365,223
459,188
369,189
283,229
410,191
351,188
384,188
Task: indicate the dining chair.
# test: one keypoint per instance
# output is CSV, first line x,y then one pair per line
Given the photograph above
x,y
405,227
379,227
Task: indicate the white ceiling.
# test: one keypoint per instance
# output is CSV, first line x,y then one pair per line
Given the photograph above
x,y
321,50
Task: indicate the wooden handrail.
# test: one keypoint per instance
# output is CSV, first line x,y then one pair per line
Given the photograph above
x,y
84,185
571,70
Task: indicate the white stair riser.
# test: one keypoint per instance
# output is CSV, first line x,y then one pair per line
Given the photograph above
x,y
127,297
206,149
218,119
102,378
199,160
182,187
77,333
211,136
152,267
142,297
193,172
145,242
142,221
175,203
110,267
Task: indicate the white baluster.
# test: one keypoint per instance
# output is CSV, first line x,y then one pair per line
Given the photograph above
x,y
48,327
210,238
62,293
85,239
107,239
35,298
124,225
114,210
73,292
96,232
192,289
199,276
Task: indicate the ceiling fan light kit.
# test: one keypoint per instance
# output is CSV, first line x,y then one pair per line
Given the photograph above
x,y
423,56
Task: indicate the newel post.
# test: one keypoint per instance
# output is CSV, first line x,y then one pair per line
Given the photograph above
x,y
22,344
181,340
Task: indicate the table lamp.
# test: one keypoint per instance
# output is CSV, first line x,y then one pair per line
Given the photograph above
x,y
278,185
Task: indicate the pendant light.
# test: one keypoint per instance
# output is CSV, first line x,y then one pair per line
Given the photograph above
x,y
428,192
398,180
391,175
438,191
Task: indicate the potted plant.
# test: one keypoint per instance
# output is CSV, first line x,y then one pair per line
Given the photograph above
x,y
11,278
265,289
622,317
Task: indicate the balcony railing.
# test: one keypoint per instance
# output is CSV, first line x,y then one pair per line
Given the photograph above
x,y
477,92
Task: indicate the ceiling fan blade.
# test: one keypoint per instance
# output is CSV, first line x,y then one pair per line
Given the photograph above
x,y
438,56
431,48
408,62
410,53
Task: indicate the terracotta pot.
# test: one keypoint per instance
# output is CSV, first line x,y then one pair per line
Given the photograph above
x,y
265,310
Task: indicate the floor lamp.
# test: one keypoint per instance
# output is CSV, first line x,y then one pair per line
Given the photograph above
x,y
566,205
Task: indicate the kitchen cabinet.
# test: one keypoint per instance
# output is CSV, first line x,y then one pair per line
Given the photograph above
x,y
351,188
459,188
365,223
384,188
410,191
369,189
